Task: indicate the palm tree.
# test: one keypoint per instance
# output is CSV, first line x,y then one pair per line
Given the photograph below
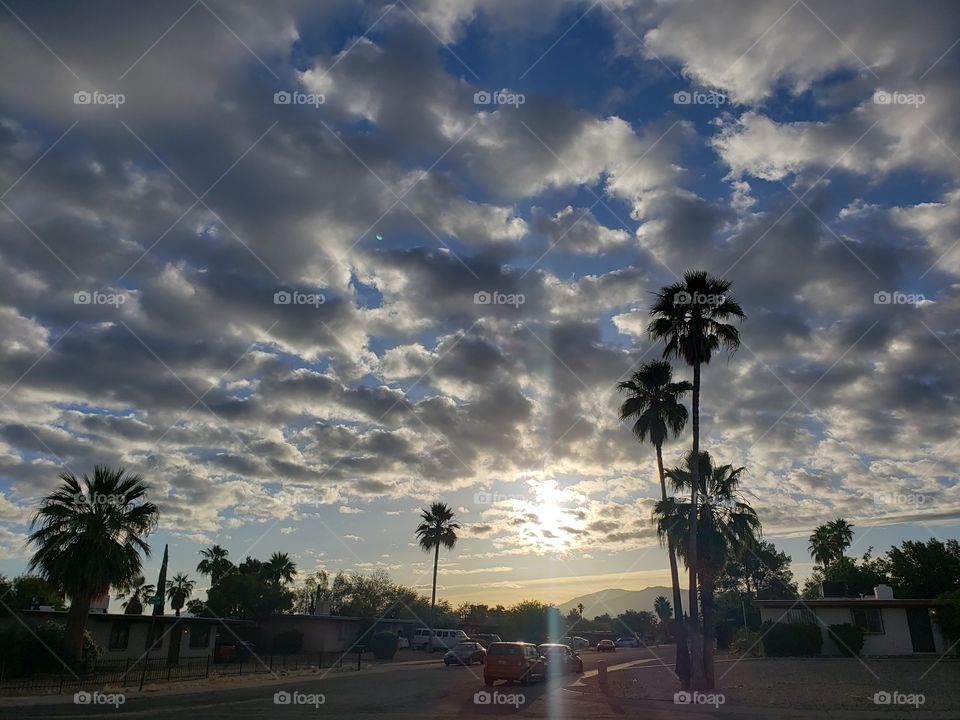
x,y
727,528
214,563
280,568
653,403
136,591
178,591
437,528
89,536
830,541
580,609
661,606
691,318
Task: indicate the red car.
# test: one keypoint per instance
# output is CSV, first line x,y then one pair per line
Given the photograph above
x,y
514,662
606,646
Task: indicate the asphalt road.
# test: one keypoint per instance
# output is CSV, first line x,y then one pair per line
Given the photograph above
x,y
407,691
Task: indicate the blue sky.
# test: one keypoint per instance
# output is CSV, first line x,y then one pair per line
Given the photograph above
x,y
807,152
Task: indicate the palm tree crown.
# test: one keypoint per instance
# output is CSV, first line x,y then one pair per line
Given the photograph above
x,y
653,402
214,563
280,568
437,528
178,591
829,541
134,593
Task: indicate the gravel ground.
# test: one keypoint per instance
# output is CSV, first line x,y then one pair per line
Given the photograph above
x,y
811,683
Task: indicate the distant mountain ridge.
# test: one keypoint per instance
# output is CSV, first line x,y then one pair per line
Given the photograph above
x,y
616,601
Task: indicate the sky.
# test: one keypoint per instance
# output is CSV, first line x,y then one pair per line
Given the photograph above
x,y
309,267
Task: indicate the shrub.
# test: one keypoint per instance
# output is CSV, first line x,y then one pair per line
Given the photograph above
x,y
948,617
24,653
848,638
384,645
724,634
746,644
289,641
791,639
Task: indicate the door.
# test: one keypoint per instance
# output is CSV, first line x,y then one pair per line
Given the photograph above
x,y
921,631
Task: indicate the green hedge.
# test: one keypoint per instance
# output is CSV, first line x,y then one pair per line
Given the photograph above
x,y
384,645
23,652
848,638
791,639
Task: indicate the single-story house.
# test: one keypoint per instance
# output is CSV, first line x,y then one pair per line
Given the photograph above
x,y
328,633
125,637
891,626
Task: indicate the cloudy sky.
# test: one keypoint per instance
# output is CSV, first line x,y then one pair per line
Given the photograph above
x,y
310,266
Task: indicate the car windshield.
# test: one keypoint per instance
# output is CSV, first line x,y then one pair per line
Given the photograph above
x,y
465,646
504,650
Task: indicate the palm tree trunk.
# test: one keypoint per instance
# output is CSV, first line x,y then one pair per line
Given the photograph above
x,y
683,656
697,679
76,624
433,596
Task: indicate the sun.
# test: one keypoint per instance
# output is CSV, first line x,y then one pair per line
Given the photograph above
x,y
548,521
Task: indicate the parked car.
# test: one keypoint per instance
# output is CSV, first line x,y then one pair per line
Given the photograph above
x,y
486,638
443,638
579,643
402,643
465,653
561,659
514,662
606,646
628,642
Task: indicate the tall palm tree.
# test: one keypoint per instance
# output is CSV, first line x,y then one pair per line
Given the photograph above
x,y
214,563
830,541
438,528
179,591
727,528
89,535
691,318
280,568
653,403
135,592
662,607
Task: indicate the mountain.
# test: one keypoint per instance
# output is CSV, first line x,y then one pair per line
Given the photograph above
x,y
616,601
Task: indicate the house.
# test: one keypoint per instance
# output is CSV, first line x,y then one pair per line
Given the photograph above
x,y
891,626
124,637
328,633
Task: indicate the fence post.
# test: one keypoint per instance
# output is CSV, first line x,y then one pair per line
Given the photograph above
x,y
143,671
60,689
169,670
208,667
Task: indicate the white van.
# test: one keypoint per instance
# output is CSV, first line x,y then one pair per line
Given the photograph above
x,y
443,638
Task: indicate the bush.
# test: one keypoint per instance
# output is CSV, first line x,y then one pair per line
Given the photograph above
x,y
289,641
848,638
724,634
746,644
791,639
24,653
948,617
384,645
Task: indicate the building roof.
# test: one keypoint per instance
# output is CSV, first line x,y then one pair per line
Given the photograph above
x,y
849,602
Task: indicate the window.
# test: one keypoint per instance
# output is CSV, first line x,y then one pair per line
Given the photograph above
x,y
154,639
200,636
801,615
869,619
119,636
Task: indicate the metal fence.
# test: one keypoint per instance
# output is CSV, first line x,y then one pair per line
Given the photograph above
x,y
137,673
